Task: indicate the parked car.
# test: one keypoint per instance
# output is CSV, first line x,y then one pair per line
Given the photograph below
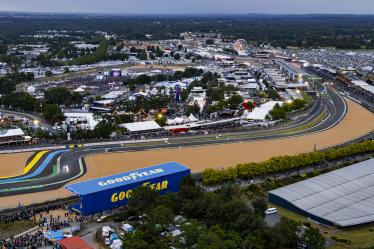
x,y
127,228
107,241
101,218
271,211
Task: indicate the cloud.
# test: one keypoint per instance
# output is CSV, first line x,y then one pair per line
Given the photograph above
x,y
192,6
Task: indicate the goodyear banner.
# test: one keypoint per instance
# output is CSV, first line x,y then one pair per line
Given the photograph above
x,y
114,191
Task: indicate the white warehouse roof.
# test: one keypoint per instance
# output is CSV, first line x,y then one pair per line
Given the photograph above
x,y
344,197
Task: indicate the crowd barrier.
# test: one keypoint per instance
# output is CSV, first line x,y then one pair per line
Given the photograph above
x,y
73,146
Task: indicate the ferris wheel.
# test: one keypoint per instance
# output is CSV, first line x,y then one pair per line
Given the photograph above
x,y
241,46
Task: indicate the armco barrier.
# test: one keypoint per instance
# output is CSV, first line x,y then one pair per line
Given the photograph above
x,y
84,145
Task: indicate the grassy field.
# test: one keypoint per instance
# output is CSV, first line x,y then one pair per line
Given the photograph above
x,y
353,238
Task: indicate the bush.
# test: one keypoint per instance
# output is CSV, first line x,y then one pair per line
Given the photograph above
x,y
341,240
278,164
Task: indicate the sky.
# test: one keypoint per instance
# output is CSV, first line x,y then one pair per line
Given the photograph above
x,y
192,6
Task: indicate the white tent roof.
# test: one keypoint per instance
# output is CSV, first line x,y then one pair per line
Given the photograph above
x,y
192,118
359,83
87,116
11,133
141,126
116,244
113,94
259,113
79,90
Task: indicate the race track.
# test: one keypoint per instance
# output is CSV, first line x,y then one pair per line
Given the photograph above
x,y
56,168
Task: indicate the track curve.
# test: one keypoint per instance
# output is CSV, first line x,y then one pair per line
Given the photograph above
x,y
57,167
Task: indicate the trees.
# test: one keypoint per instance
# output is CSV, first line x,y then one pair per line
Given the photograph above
x,y
142,55
259,206
177,56
215,93
215,220
217,238
162,215
159,52
66,70
99,55
104,129
48,73
3,48
209,41
62,96
53,113
143,199
192,109
161,119
283,163
278,113
6,85
23,101
234,101
273,94
314,238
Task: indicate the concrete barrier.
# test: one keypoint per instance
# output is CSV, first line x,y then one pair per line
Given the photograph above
x,y
74,146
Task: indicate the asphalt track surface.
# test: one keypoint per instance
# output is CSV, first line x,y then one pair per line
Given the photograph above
x,y
54,169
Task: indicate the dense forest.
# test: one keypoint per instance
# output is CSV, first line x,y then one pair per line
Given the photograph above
x,y
341,31
225,219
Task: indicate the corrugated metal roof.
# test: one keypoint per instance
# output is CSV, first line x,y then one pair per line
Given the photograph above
x,y
74,243
344,197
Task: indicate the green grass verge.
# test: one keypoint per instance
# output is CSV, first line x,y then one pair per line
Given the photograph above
x,y
360,237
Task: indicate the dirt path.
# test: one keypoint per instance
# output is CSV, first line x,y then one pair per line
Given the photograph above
x,y
357,122
13,164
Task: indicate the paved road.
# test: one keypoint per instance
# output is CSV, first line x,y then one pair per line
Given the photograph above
x,y
59,167
42,122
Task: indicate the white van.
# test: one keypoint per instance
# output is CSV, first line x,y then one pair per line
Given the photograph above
x,y
271,211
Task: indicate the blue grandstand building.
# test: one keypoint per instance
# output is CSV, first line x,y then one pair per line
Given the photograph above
x,y
111,192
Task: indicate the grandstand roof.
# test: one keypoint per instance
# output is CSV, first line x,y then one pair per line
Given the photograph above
x,y
359,83
141,126
11,133
126,178
344,197
368,88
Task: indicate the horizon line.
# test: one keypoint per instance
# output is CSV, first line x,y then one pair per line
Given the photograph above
x,y
182,14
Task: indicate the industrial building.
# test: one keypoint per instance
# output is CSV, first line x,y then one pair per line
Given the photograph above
x,y
102,194
343,198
